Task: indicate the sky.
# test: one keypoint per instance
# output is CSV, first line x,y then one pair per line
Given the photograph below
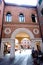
x,y
23,2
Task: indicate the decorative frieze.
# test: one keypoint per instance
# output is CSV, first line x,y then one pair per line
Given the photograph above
x,y
21,25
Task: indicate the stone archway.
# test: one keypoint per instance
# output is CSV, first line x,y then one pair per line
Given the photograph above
x,y
19,30
12,40
22,30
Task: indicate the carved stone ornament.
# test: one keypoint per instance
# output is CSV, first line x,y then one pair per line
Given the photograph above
x,y
36,31
7,31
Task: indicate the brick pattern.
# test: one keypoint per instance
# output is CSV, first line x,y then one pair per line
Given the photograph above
x,y
15,11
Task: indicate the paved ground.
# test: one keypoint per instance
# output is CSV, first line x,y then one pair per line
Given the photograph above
x,y
23,58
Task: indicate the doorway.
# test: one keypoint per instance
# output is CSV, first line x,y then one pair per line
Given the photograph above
x,y
20,34
7,47
38,45
22,43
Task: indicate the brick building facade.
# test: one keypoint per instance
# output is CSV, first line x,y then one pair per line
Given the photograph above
x,y
16,20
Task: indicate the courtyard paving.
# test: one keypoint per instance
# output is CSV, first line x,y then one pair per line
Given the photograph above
x,y
23,58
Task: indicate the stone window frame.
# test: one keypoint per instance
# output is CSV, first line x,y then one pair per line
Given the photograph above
x,y
8,17
34,18
21,18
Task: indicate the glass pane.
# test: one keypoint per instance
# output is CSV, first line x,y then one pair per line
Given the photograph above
x,y
40,1
21,18
8,18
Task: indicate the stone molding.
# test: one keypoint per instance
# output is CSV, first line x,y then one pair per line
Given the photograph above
x,y
26,25
18,30
7,31
36,31
7,40
36,39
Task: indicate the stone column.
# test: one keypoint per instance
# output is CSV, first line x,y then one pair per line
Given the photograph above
x,y
33,44
19,45
12,51
2,50
41,44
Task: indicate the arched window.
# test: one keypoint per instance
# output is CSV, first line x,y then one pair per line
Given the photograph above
x,y
40,1
42,11
8,17
21,18
34,18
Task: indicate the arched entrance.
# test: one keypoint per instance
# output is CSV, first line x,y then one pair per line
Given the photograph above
x,y
9,42
12,40
22,42
22,31
7,47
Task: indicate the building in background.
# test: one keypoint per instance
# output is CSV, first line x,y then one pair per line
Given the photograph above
x,y
40,16
20,22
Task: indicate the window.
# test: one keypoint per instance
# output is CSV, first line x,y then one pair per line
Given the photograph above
x,y
34,18
0,1
21,18
42,11
8,17
40,1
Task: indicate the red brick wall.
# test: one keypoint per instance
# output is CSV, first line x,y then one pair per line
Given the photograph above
x,y
15,11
